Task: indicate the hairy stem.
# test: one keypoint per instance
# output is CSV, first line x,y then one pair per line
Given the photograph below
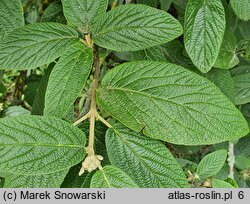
x,y
231,159
92,161
93,102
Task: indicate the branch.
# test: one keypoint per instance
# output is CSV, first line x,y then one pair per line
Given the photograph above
x,y
92,161
231,159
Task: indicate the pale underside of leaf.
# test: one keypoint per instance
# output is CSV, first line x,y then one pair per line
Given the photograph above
x,y
35,45
147,161
34,145
170,103
67,79
111,177
135,27
203,32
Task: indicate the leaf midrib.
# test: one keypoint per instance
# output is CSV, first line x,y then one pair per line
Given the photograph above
x,y
153,97
117,29
143,163
105,178
40,42
40,145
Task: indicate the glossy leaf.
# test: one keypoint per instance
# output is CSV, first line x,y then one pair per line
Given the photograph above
x,y
170,103
111,177
34,145
135,27
35,45
82,13
147,161
203,32
11,15
241,8
211,163
52,180
67,79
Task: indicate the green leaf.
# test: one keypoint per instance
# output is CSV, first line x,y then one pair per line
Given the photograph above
x,y
243,69
34,45
38,104
223,80
231,20
242,147
241,8
174,53
3,89
221,184
242,162
11,15
242,88
73,180
165,4
170,103
211,163
227,57
31,90
243,31
153,3
185,162
54,13
67,79
34,145
224,171
52,180
82,13
111,177
185,150
135,27
153,53
15,111
203,32
147,161
232,181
